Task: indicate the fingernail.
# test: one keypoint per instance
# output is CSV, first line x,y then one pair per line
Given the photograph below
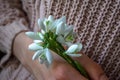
x,y
103,77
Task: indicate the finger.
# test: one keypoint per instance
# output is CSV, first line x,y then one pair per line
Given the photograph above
x,y
94,70
63,71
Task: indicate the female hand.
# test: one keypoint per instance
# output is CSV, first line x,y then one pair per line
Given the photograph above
x,y
59,70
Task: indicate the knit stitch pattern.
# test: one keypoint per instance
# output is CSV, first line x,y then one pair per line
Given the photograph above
x,y
97,23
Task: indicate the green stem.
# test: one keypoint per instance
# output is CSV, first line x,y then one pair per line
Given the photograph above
x,y
60,51
58,48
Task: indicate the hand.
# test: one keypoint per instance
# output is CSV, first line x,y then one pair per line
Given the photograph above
x,y
63,71
59,70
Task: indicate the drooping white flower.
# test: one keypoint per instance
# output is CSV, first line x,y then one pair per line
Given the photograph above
x,y
37,41
68,44
60,39
37,54
60,28
73,49
62,19
56,22
42,31
63,34
34,47
41,36
79,47
48,56
40,24
68,30
33,35
46,23
44,56
51,18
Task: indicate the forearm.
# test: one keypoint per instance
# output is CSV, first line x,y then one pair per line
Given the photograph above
x,y
20,49
59,69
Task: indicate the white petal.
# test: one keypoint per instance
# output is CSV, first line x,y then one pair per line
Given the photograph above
x,y
40,23
79,46
33,35
56,22
37,41
49,56
46,23
37,54
60,28
42,31
51,18
62,19
68,44
72,49
61,40
75,55
41,36
34,47
68,30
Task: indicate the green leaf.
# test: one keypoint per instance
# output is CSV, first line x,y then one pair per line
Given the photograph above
x,y
69,38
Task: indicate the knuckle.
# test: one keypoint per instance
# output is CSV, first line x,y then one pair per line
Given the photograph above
x,y
60,72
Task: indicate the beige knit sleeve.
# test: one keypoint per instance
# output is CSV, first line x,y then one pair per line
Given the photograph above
x,y
35,9
97,24
12,21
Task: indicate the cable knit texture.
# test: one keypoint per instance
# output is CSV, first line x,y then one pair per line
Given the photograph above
x,y
9,31
97,23
12,21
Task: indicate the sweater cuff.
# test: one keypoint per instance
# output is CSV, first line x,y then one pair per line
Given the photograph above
x,y
7,34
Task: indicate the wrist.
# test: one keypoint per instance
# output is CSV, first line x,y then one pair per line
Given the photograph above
x,y
20,50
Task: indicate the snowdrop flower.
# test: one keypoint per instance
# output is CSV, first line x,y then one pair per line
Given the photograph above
x,y
40,24
33,35
53,35
34,47
73,49
37,54
44,39
44,55
48,55
60,28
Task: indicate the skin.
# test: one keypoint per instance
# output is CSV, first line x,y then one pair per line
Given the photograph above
x,y
59,70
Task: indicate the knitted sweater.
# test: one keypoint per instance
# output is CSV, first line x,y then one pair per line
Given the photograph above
x,y
97,23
